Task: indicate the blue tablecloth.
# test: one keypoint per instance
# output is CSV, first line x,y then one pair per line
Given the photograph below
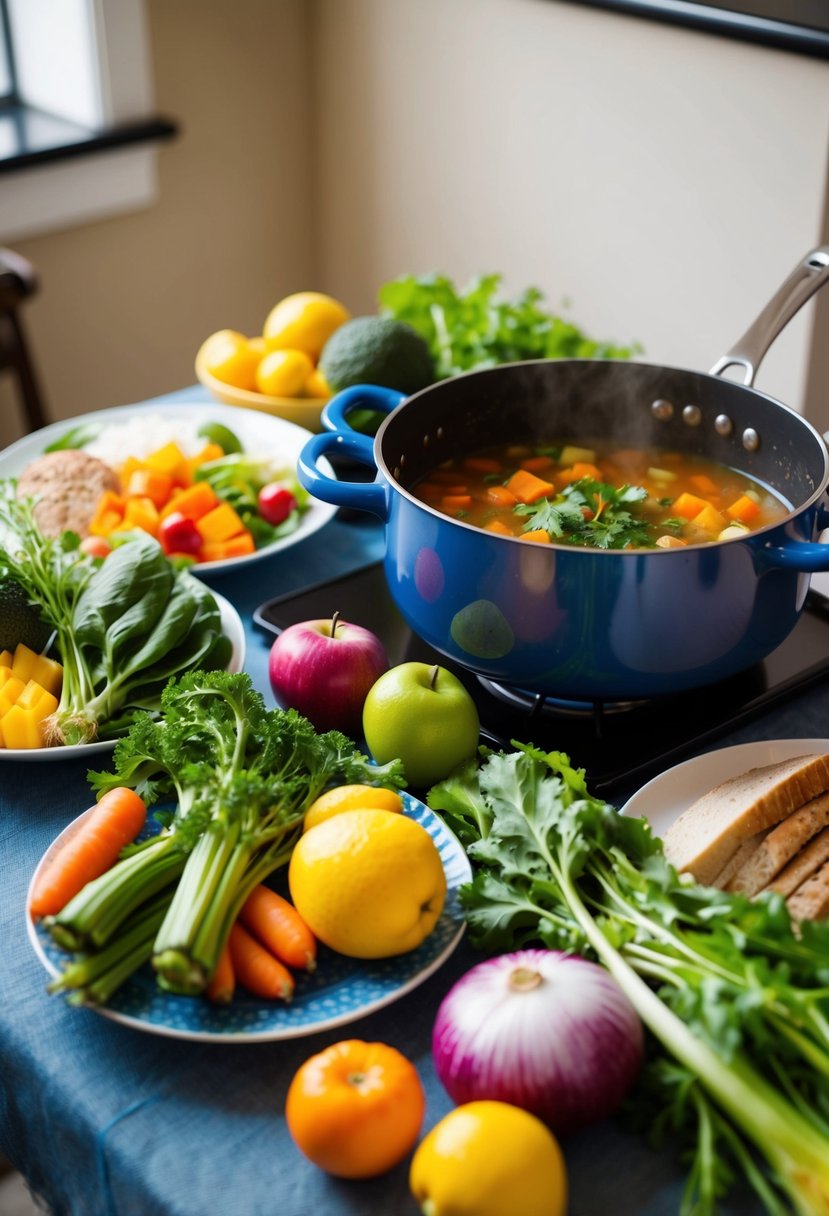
x,y
105,1120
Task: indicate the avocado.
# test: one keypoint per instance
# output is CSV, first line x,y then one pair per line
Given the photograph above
x,y
19,620
377,350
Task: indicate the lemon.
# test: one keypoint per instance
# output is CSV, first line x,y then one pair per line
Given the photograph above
x,y
351,798
483,1155
368,883
317,386
304,321
283,373
230,357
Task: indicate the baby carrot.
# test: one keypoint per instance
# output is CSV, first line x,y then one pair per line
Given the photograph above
x,y
257,969
222,983
278,925
89,852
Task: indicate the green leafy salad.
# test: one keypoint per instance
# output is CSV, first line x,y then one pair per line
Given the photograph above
x,y
734,995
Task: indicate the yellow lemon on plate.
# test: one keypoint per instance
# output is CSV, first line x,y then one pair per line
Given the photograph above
x,y
482,1158
351,798
304,321
283,373
231,357
368,883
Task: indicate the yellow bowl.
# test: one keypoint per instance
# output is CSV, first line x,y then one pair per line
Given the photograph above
x,y
304,411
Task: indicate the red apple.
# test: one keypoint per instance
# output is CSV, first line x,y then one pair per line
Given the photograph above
x,y
324,670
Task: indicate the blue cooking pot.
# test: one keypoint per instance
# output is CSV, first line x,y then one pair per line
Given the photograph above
x,y
587,624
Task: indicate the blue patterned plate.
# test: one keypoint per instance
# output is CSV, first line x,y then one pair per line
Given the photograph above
x,y
341,990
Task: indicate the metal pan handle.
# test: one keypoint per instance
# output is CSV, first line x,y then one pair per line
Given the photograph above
x,y
807,277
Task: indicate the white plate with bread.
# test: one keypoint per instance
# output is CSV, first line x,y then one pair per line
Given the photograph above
x,y
751,818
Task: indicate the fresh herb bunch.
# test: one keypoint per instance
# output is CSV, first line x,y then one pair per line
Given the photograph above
x,y
473,327
123,626
735,999
240,777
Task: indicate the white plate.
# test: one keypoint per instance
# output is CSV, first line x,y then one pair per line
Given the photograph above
x,y
232,628
257,432
664,798
341,990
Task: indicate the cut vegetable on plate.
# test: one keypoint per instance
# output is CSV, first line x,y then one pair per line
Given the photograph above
x,y
170,446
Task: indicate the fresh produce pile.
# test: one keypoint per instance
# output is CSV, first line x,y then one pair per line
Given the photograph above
x,y
122,627
238,779
733,995
426,329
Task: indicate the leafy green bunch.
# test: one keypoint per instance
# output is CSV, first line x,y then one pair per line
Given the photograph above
x,y
240,778
474,327
123,627
735,997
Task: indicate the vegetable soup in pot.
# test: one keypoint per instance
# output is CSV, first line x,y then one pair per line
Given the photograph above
x,y
600,495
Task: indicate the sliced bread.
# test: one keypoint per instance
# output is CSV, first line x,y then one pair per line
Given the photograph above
x,y
811,899
780,846
807,862
704,838
744,853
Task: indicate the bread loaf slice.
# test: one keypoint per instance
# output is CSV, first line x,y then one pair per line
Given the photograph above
x,y
779,847
803,866
744,853
811,899
704,838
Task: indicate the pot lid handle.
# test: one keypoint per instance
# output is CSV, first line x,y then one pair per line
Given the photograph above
x,y
808,276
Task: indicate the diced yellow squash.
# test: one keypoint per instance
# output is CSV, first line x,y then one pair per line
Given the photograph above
x,y
109,512
6,658
219,524
23,663
48,673
710,519
22,728
38,699
570,454
9,692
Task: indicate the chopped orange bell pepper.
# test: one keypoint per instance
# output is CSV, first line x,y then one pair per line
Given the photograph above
x,y
150,483
108,514
194,501
219,524
234,546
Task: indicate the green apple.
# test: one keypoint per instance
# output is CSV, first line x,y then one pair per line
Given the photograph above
x,y
423,715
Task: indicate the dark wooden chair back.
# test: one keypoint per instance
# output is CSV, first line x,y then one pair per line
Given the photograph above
x,y
19,281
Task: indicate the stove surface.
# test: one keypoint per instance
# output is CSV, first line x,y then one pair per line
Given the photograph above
x,y
617,744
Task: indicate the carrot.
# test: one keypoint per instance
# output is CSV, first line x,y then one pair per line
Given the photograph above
x,y
455,502
257,969
501,496
222,983
89,852
537,464
278,925
482,464
527,487
744,509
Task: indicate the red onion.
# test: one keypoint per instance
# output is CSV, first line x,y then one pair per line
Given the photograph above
x,y
547,1031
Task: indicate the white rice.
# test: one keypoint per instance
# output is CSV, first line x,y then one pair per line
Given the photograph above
x,y
141,435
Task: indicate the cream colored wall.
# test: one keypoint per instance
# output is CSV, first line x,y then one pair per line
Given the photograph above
x,y
665,180
125,302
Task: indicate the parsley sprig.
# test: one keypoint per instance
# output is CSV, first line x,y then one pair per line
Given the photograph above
x,y
592,514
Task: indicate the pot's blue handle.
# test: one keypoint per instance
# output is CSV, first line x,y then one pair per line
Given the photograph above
x,y
359,396
807,556
341,439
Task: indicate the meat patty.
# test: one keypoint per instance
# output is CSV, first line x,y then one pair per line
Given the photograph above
x,y
67,486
